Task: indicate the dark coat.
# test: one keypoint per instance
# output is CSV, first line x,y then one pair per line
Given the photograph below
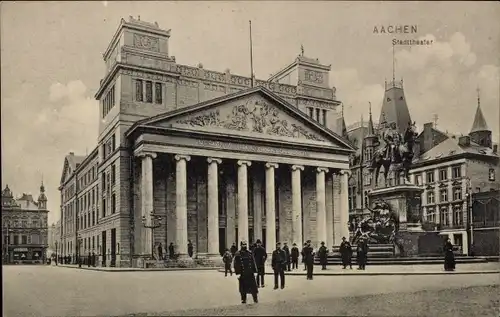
x,y
171,251
278,260
294,253
233,249
323,253
227,258
449,257
308,255
190,249
346,251
287,254
245,267
260,256
362,252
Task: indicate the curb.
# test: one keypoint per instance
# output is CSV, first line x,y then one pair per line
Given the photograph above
x,y
365,273
141,270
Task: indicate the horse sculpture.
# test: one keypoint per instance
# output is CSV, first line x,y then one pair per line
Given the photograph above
x,y
398,151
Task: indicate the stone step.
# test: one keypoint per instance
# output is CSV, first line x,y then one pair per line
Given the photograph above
x,y
406,261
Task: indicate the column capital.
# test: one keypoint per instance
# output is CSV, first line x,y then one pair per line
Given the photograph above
x,y
242,162
321,169
179,157
343,172
297,167
215,160
272,165
144,154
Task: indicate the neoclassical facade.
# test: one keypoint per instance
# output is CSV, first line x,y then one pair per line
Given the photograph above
x,y
243,167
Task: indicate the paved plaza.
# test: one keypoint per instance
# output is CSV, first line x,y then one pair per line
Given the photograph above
x,y
58,291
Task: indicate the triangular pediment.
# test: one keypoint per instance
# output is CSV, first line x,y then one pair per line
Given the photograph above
x,y
255,113
66,173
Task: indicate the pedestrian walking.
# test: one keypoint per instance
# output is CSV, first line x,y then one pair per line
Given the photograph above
x,y
245,267
309,259
287,256
190,249
227,258
304,256
160,252
449,256
234,249
295,256
323,255
171,251
362,253
278,263
260,256
346,253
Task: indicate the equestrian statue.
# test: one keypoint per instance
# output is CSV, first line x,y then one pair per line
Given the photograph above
x,y
397,151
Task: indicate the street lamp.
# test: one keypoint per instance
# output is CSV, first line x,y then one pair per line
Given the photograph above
x,y
468,196
56,252
154,223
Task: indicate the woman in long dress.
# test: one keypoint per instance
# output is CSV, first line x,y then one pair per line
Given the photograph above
x,y
449,256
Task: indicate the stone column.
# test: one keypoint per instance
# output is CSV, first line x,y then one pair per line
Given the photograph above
x,y
270,208
147,199
297,204
181,230
243,201
213,206
257,208
320,204
344,203
329,210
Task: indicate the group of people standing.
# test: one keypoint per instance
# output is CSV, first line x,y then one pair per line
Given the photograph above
x,y
171,251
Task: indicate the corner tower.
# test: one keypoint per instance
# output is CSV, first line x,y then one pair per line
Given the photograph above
x,y
394,106
480,133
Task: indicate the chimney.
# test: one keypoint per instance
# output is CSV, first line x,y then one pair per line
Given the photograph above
x,y
495,148
428,125
464,140
427,138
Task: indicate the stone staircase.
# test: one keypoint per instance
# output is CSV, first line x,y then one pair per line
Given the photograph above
x,y
193,263
383,254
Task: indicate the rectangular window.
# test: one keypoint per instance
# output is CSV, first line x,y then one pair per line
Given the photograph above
x,y
444,217
113,203
324,117
103,207
93,217
16,239
430,198
93,243
113,174
431,215
317,114
149,91
35,224
443,195
418,179
103,181
88,221
443,175
430,177
108,181
93,196
24,239
457,216
139,90
84,221
158,93
456,172
311,111
113,142
24,224
457,193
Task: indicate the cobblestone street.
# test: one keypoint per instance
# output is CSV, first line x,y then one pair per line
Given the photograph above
x,y
56,291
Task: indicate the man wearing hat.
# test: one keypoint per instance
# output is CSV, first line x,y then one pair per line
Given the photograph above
x,y
260,256
245,267
346,253
295,256
362,253
309,259
278,263
323,255
286,249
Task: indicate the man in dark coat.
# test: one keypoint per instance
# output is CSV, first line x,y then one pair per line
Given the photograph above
x,y
234,249
309,259
245,267
286,249
449,256
93,258
362,253
323,255
227,258
304,255
190,249
171,251
346,253
295,256
278,263
160,252
260,256
88,259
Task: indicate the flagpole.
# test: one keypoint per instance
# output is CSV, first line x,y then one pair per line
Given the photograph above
x,y
251,56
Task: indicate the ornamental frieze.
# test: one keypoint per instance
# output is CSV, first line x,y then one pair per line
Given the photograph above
x,y
215,76
239,80
313,76
317,104
253,116
213,87
189,71
252,148
146,42
147,76
188,83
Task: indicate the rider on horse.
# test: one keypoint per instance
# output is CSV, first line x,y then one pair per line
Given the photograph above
x,y
393,140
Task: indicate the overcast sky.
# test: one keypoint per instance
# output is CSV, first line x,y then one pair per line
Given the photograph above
x,y
51,63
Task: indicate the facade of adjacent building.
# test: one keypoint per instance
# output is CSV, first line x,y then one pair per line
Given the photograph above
x,y
54,236
219,157
24,227
486,223
450,168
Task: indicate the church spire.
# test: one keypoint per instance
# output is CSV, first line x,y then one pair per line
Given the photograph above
x,y
371,130
343,125
479,123
42,199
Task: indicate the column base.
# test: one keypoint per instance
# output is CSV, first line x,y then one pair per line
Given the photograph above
x,y
212,260
184,261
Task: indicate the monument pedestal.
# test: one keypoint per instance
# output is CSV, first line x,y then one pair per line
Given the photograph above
x,y
405,202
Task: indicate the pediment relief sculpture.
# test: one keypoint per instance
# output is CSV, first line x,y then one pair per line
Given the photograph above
x,y
254,116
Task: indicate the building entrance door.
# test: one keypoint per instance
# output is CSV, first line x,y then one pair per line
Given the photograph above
x,y
113,247
222,240
104,248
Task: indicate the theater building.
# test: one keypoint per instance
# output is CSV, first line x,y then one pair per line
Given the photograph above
x,y
219,157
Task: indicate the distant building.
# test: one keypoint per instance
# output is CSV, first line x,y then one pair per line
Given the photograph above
x,y
486,223
55,236
448,167
25,228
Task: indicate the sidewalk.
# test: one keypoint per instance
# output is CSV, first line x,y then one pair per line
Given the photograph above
x,y
132,269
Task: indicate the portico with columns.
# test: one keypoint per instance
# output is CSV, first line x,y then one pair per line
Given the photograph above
x,y
245,166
